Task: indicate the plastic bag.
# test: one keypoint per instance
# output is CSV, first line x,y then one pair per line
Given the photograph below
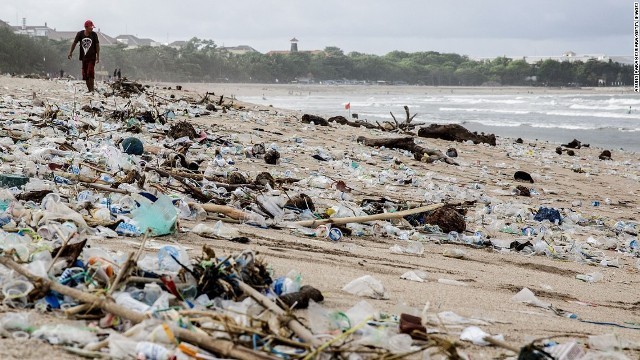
x,y
366,286
526,296
158,217
219,229
65,335
417,276
475,335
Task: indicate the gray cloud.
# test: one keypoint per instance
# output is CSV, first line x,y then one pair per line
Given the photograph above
x,y
475,28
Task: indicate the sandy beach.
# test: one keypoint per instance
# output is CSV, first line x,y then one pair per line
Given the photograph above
x,y
488,276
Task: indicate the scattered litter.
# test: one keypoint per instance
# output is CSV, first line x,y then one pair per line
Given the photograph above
x,y
138,169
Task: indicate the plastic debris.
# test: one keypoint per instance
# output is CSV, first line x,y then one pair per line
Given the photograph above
x,y
75,178
366,286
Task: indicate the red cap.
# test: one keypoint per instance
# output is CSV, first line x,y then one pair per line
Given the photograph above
x,y
88,23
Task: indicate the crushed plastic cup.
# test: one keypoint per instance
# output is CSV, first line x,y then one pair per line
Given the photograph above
x,y
15,289
16,293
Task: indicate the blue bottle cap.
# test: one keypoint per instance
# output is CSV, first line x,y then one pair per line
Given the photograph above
x,y
335,234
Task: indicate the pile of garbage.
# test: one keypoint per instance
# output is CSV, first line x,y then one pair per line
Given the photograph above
x,y
130,165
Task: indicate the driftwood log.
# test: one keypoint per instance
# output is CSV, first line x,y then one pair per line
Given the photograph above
x,y
455,132
229,211
317,120
363,219
358,123
406,143
407,125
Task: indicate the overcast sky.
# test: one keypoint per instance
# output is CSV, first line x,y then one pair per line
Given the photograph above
x,y
478,28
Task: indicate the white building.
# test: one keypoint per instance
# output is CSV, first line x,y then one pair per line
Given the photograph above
x,y
569,56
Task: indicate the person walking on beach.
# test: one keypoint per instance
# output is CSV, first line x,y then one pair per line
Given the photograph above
x,y
89,53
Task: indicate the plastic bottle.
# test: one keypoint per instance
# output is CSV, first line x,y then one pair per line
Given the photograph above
x,y
152,292
288,284
454,253
591,277
394,231
271,206
125,299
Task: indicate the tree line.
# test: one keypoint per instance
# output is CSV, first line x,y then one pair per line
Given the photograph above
x,y
203,61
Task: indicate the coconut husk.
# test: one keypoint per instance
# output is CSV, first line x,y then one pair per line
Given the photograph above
x,y
182,129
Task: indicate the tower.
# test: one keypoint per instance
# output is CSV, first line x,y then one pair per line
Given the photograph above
x,y
294,45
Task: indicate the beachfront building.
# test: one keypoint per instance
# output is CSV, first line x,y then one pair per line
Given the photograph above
x,y
177,44
569,56
294,49
31,30
105,40
239,50
133,42
54,34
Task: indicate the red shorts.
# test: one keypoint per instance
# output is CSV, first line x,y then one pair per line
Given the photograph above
x,y
88,69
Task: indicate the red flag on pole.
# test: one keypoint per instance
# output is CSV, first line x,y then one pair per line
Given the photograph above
x,y
347,106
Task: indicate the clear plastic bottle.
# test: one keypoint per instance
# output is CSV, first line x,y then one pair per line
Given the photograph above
x,y
152,292
125,299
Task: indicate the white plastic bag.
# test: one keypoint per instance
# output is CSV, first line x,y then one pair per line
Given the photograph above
x,y
366,286
476,336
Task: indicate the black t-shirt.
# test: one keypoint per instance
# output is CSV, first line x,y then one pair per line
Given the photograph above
x,y
88,44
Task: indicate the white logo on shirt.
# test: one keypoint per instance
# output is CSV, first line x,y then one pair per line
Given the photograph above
x,y
86,44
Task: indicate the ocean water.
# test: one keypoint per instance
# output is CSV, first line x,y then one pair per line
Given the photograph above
x,y
606,120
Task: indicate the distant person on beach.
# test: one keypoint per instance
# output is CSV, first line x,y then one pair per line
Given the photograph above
x,y
89,53
119,74
61,73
